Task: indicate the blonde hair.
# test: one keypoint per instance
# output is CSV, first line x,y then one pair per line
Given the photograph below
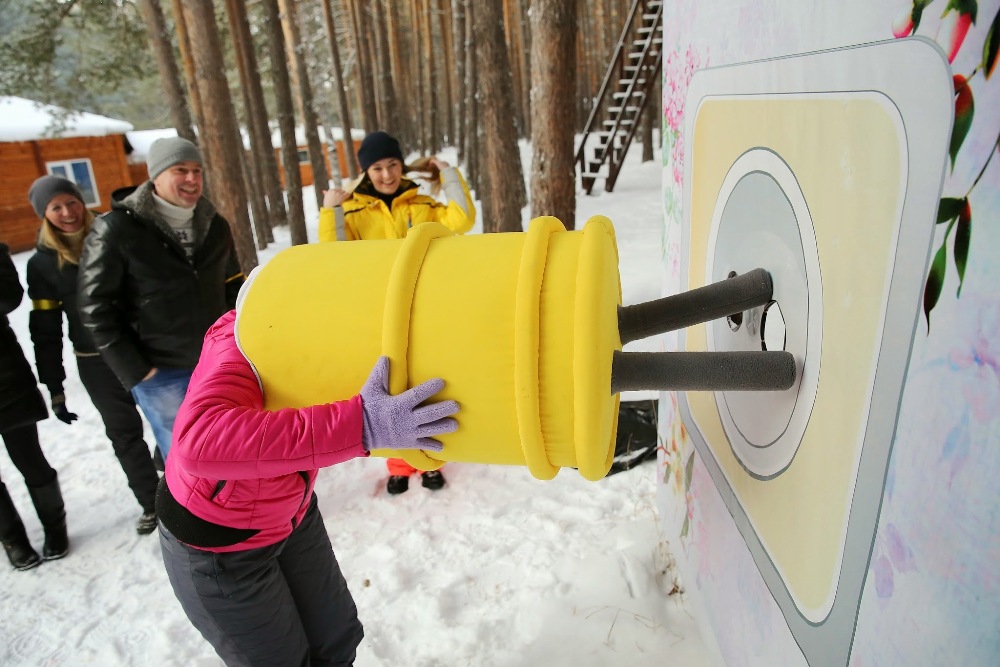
x,y
67,246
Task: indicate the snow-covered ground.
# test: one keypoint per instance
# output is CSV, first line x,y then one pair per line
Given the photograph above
x,y
496,569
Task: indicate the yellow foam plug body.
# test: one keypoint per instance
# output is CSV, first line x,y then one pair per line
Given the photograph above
x,y
522,327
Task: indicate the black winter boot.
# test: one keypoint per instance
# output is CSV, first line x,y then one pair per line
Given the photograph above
x,y
397,484
48,502
433,480
15,541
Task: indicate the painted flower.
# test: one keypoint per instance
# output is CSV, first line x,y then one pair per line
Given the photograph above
x,y
677,158
892,558
978,363
677,73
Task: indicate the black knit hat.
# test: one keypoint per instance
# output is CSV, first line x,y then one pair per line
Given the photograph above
x,y
377,146
45,188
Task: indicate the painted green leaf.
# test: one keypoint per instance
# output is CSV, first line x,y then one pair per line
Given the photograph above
x,y
948,209
918,12
684,529
990,46
970,7
964,110
935,280
688,471
963,234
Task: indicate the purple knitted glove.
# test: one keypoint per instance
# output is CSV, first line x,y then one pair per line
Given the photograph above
x,y
395,422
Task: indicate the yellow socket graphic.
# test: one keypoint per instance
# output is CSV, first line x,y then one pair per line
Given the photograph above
x,y
825,169
846,215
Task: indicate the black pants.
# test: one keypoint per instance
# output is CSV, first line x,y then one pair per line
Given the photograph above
x,y
282,605
27,456
123,426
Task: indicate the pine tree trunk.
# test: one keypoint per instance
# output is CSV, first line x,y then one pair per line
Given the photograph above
x,y
513,53
299,74
265,165
338,79
388,110
445,61
286,121
220,133
553,171
471,130
516,37
365,81
184,46
170,76
431,142
501,212
589,53
252,164
459,46
400,79
646,132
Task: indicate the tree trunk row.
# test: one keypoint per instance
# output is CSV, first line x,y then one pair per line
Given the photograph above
x,y
475,75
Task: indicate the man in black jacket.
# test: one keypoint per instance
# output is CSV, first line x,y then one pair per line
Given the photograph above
x,y
156,271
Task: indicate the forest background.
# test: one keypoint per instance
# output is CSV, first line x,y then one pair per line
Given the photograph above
x,y
476,75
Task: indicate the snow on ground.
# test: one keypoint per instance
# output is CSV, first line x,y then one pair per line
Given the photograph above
x,y
498,569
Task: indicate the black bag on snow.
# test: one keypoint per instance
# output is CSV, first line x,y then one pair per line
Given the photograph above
x,y
636,440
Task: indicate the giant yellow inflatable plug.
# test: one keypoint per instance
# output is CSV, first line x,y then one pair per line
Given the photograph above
x,y
523,327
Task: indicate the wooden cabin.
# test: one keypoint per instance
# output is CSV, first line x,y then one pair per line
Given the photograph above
x,y
88,149
305,167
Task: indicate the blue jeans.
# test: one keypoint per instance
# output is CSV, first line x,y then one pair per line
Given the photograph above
x,y
160,398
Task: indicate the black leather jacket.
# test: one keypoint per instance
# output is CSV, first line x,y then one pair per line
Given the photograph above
x,y
20,401
52,290
143,302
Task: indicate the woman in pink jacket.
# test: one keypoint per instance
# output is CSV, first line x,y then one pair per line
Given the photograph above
x,y
242,537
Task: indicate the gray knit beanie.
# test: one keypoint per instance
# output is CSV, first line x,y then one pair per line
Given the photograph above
x,y
165,153
45,188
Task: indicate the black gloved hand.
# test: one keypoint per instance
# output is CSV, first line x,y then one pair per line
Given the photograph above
x,y
59,408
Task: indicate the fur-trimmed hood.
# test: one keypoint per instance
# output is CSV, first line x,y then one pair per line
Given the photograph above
x,y
140,201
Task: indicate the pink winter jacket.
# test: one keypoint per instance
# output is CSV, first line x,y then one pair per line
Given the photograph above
x,y
236,464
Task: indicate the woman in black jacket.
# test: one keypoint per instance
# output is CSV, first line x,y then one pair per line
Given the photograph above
x,y
52,282
21,406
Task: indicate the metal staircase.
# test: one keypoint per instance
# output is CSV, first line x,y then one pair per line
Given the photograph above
x,y
626,89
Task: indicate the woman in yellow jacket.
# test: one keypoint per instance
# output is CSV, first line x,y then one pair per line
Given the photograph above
x,y
385,205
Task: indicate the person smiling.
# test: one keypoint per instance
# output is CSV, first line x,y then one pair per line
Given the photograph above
x,y
156,271
385,205
52,281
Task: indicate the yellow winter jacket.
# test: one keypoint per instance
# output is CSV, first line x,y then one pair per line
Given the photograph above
x,y
366,217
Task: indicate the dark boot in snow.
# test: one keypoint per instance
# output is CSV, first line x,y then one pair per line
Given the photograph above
x,y
48,503
433,480
397,484
15,541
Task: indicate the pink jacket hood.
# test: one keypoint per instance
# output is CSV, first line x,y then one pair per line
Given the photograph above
x,y
236,464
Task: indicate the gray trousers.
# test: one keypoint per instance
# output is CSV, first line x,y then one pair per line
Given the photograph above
x,y
285,604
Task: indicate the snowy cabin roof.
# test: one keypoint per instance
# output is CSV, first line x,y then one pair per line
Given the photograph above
x,y
26,120
141,140
300,135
